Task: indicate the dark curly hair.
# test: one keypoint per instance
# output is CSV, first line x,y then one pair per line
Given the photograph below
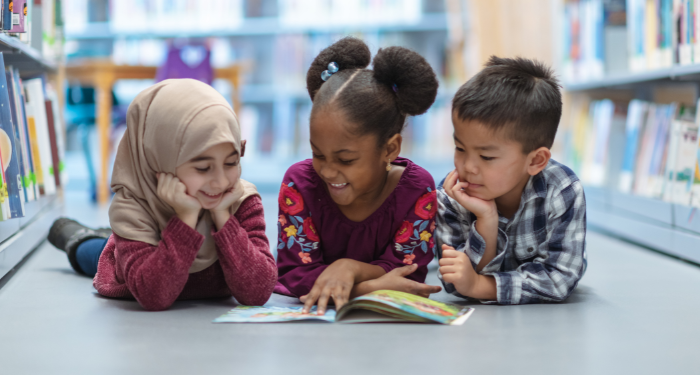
x,y
378,101
519,96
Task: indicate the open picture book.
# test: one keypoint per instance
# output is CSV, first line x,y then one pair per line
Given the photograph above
x,y
381,306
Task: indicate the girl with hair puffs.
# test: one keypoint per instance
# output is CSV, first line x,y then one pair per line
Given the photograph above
x,y
357,217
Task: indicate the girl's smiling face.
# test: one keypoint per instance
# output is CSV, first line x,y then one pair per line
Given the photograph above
x,y
352,166
211,174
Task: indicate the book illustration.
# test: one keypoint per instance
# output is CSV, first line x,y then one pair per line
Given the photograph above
x,y
18,126
272,314
4,201
382,306
14,186
30,181
19,13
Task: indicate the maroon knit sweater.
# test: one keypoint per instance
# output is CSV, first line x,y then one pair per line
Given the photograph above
x,y
156,276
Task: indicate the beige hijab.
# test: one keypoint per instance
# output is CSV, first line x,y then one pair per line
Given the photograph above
x,y
168,124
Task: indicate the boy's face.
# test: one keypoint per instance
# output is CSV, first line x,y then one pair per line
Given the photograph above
x,y
494,167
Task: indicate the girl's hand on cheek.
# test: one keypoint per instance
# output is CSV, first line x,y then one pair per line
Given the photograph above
x,y
174,193
335,282
456,190
221,214
231,195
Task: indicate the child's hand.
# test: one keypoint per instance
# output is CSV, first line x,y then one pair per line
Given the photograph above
x,y
232,195
457,269
174,193
396,280
455,190
335,282
220,214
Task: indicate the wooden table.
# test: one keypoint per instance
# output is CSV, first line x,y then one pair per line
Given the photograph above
x,y
102,74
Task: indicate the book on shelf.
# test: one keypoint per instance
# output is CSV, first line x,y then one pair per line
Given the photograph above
x,y
19,13
646,149
9,144
30,149
24,166
382,306
36,114
7,6
681,160
33,161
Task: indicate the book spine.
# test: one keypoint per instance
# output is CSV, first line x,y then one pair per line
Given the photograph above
x,y
55,169
7,14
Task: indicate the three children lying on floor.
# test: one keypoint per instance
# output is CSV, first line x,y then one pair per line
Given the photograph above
x,y
508,224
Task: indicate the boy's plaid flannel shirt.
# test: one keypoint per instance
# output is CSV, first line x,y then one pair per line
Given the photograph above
x,y
541,252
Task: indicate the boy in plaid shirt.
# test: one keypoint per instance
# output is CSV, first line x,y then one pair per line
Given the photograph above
x,y
511,223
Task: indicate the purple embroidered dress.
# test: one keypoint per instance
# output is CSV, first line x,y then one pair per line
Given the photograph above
x,y
313,232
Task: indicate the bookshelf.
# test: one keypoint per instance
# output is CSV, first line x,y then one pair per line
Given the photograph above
x,y
623,51
632,80
19,236
667,227
261,26
21,55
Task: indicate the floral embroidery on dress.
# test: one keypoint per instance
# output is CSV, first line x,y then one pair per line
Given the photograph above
x,y
411,236
426,205
300,231
290,200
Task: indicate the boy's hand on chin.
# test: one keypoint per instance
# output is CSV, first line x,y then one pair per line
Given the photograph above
x,y
456,190
396,280
174,193
457,269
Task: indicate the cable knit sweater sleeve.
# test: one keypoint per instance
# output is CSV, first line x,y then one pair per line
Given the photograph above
x,y
244,254
156,275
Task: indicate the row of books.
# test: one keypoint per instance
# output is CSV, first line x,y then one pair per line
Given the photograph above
x,y
323,13
583,40
163,16
282,131
13,16
658,34
36,23
638,147
167,16
31,142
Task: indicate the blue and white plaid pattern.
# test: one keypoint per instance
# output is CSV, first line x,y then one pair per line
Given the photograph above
x,y
541,252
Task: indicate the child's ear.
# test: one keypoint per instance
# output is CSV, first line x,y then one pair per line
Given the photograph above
x,y
538,160
393,147
243,142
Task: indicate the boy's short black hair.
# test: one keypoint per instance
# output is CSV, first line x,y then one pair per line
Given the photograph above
x,y
520,96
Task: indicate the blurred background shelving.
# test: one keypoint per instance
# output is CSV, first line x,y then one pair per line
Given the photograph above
x,y
32,56
630,128
274,41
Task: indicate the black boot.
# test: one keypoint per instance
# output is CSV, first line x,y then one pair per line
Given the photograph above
x,y
67,234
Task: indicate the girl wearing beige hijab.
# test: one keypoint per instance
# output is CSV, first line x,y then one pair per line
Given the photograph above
x,y
185,225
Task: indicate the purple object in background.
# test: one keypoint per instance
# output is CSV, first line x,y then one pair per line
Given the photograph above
x,y
191,61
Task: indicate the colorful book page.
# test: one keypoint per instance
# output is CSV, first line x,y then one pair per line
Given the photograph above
x,y
272,314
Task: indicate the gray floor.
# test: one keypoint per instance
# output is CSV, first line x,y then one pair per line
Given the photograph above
x,y
635,311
